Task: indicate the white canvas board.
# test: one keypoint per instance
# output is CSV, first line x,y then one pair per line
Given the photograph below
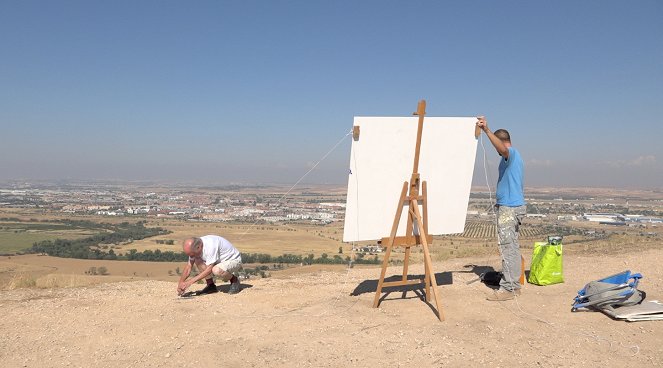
x,y
382,159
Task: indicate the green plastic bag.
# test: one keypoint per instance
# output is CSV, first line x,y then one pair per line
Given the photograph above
x,y
546,268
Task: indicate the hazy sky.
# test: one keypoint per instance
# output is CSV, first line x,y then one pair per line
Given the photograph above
x,y
258,91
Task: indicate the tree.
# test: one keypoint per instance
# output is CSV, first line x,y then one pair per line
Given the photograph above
x,y
340,250
111,255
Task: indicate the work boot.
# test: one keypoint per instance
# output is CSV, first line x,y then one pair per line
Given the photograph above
x,y
209,289
234,286
502,295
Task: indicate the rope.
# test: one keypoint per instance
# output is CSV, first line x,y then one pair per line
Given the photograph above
x,y
336,300
298,181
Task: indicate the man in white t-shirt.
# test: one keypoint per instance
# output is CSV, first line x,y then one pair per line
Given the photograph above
x,y
213,256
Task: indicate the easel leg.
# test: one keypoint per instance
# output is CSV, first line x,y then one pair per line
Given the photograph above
x,y
428,263
424,205
385,263
406,262
392,236
427,281
408,231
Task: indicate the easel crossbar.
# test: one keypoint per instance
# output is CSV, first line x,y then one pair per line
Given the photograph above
x,y
402,283
407,241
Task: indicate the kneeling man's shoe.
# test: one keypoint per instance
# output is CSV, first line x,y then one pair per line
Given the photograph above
x,y
502,295
234,287
209,289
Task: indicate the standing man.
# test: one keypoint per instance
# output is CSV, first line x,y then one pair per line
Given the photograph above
x,y
510,210
213,256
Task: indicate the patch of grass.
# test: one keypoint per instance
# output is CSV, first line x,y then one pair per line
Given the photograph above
x,y
40,226
12,242
21,281
19,236
54,281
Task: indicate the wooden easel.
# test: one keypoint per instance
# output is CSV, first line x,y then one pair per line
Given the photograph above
x,y
412,238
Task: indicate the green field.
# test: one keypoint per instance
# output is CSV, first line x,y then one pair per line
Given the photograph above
x,y
19,236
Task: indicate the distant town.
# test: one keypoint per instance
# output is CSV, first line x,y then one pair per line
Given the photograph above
x,y
312,204
217,204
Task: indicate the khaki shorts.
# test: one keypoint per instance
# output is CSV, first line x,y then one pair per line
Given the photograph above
x,y
230,266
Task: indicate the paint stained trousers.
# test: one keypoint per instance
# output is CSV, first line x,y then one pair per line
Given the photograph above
x,y
508,226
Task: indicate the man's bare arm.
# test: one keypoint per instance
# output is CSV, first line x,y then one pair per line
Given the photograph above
x,y
497,143
206,272
186,272
182,285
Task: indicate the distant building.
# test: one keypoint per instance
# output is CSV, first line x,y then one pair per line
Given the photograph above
x,y
567,218
215,217
298,216
651,220
604,217
323,216
273,218
376,248
328,204
613,223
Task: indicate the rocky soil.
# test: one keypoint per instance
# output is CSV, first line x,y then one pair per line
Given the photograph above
x,y
326,319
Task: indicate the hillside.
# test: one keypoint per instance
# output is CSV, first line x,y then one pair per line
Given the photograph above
x,y
312,320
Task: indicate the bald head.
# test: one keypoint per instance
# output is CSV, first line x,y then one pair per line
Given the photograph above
x,y
503,135
192,247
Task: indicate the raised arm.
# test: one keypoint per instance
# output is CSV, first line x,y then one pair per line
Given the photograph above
x,y
501,148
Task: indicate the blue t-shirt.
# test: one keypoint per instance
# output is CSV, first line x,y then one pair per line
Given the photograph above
x,y
510,191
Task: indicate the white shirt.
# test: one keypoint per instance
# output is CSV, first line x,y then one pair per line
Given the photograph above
x,y
217,249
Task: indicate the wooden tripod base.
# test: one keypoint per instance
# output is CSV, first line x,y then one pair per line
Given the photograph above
x,y
411,239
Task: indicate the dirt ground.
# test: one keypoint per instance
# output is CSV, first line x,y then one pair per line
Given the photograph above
x,y
326,319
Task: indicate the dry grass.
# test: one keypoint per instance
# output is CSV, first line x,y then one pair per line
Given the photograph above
x,y
25,280
51,281
21,280
273,239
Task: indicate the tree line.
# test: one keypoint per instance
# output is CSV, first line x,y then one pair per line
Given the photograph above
x,y
307,260
89,247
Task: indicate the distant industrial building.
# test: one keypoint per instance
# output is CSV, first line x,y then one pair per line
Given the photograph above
x,y
567,218
651,220
619,219
604,217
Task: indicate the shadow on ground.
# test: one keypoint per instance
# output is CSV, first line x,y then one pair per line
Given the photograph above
x,y
222,289
480,271
442,278
370,286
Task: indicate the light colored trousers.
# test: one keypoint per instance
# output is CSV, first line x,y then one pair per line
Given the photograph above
x,y
508,226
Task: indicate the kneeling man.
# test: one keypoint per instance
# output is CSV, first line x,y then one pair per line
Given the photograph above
x,y
213,256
